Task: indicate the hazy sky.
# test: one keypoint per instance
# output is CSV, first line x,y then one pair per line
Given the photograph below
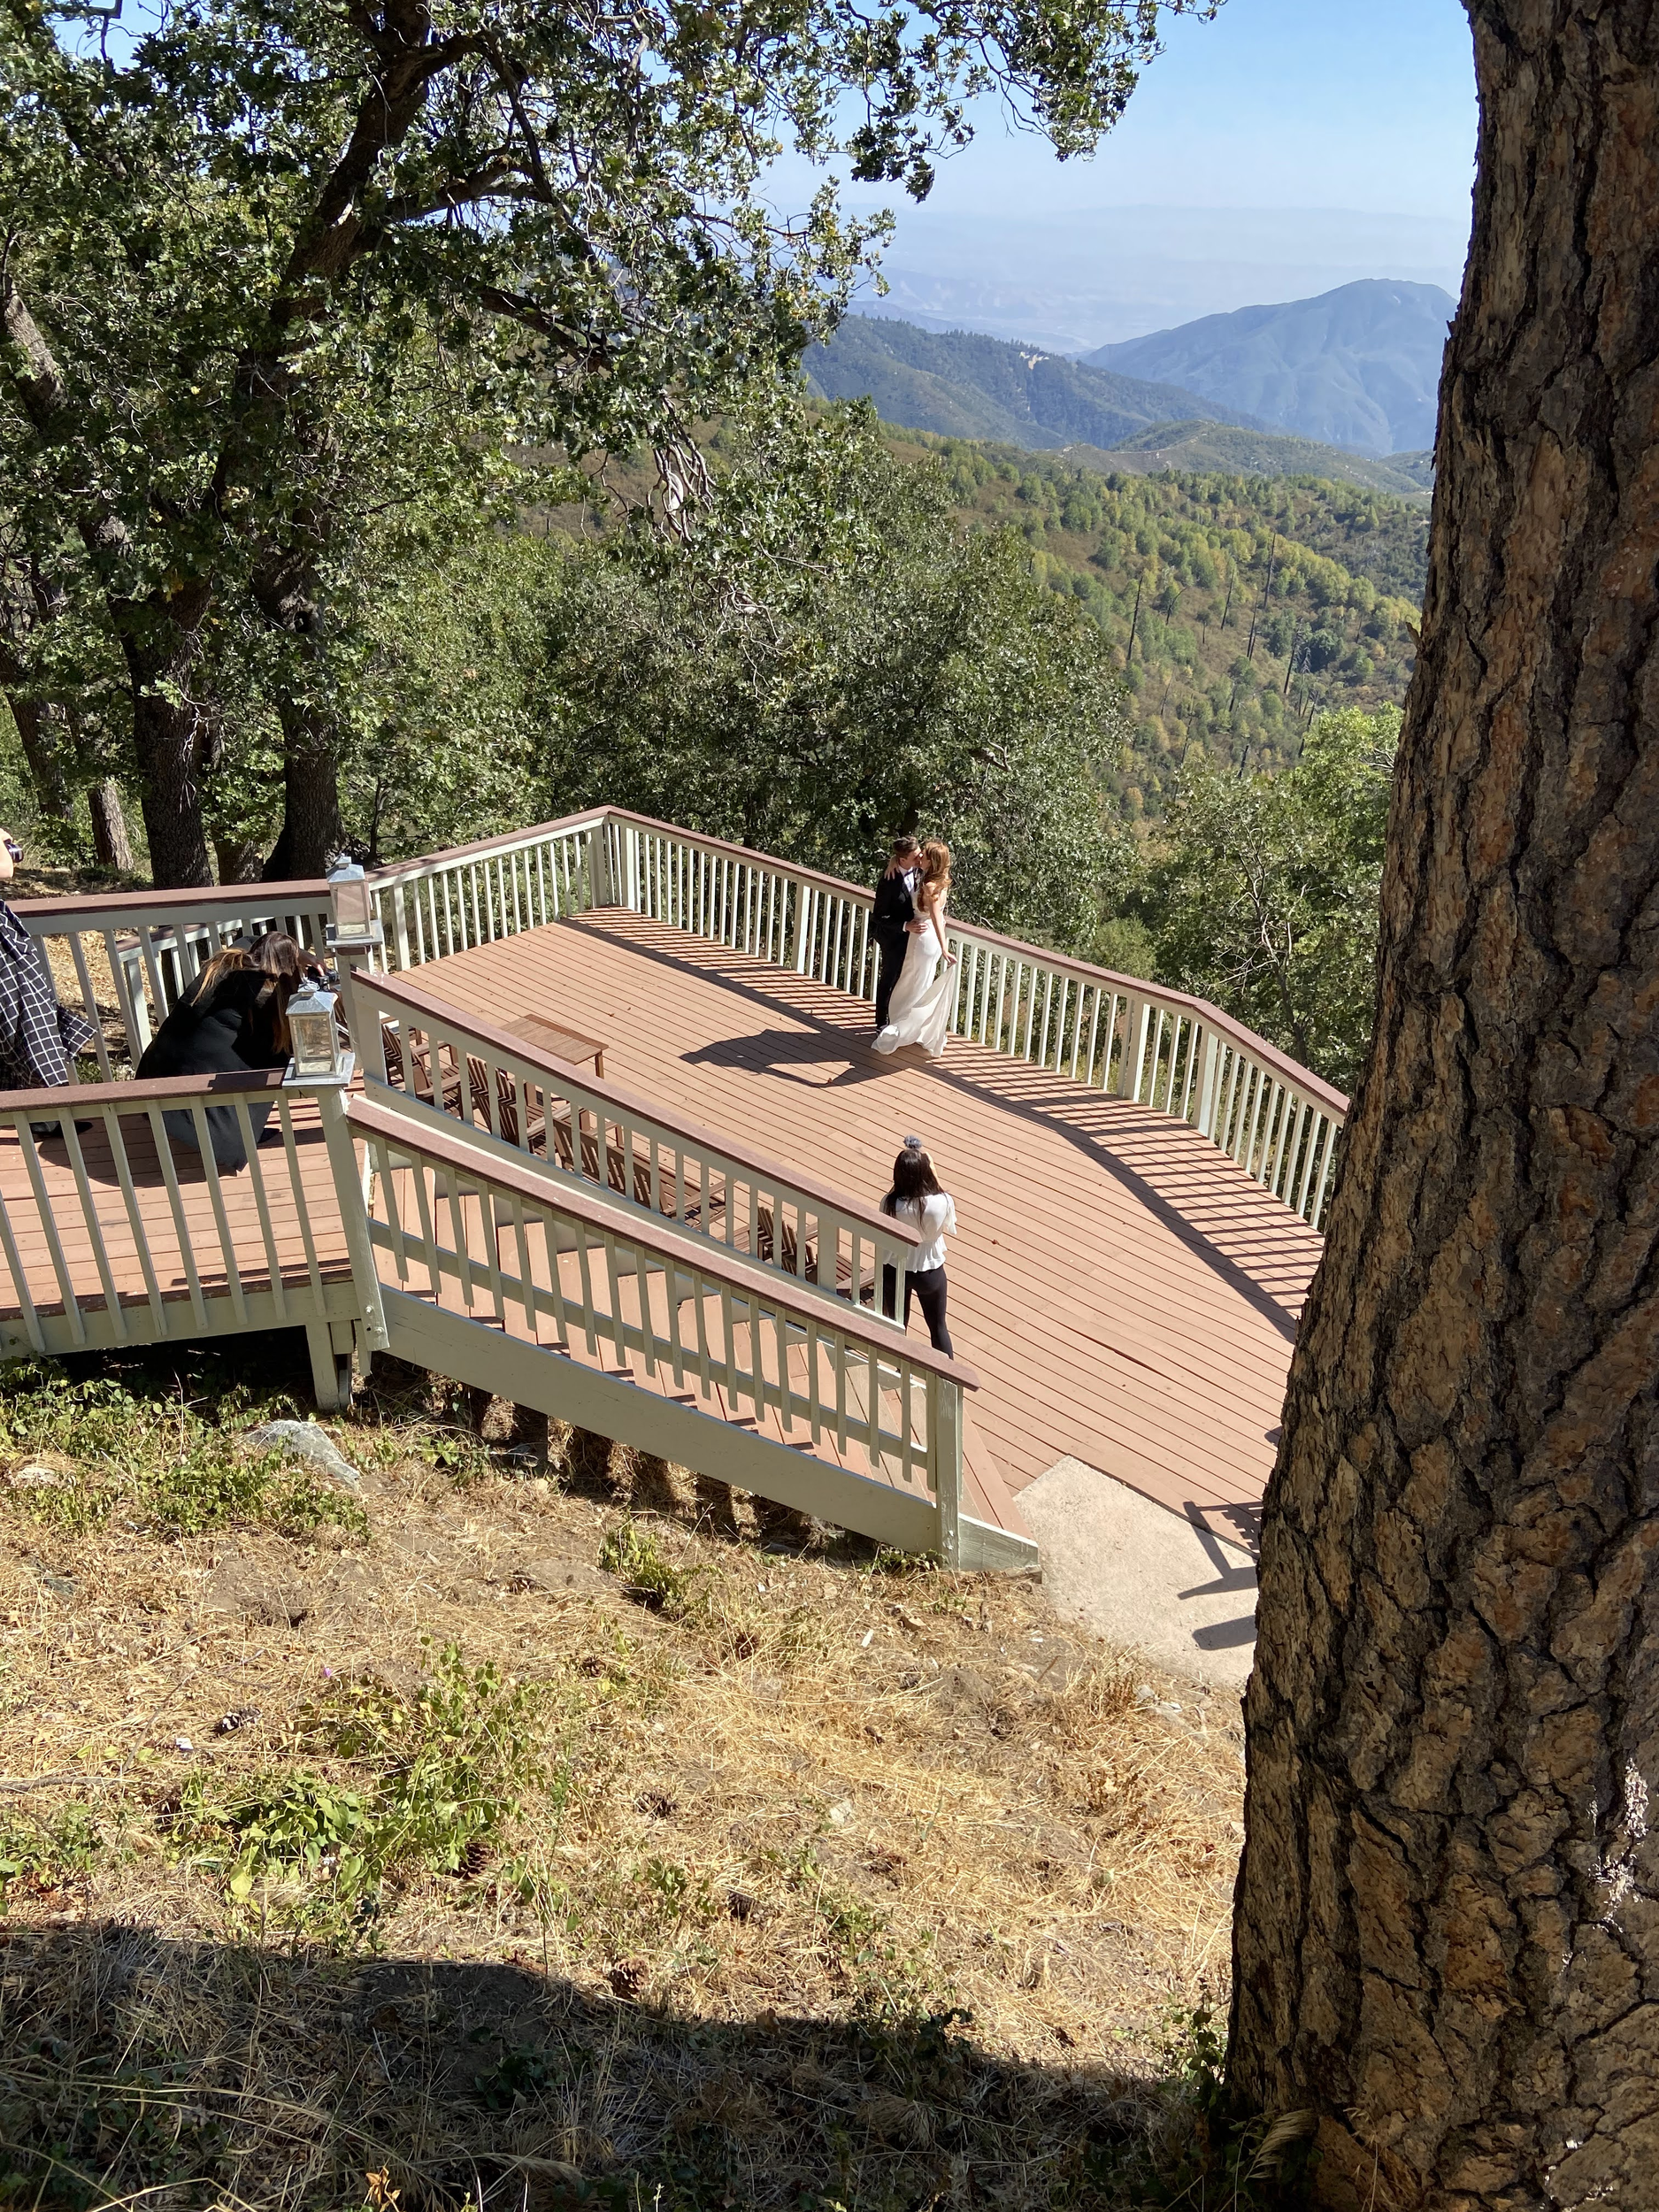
x,y
1363,111
1360,104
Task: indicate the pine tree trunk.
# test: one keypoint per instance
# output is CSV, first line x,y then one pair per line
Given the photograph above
x,y
1447,1924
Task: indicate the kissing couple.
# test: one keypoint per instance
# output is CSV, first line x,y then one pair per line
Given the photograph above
x,y
916,983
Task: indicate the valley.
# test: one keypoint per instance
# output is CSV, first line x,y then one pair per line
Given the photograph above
x,y
1240,606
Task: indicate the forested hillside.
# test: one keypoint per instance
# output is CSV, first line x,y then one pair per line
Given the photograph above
x,y
960,384
957,383
1238,608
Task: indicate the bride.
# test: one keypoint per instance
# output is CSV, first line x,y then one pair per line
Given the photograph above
x,y
926,988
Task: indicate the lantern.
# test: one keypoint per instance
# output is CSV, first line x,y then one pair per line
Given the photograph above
x,y
315,1038
355,922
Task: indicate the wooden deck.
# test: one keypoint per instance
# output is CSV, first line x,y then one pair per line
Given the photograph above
x,y
1127,1294
141,1237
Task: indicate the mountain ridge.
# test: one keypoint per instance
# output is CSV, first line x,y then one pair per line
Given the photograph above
x,y
996,387
1358,366
966,385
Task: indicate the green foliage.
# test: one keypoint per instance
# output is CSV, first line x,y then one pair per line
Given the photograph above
x,y
241,338
831,658
1261,893
444,1766
631,1555
46,1853
109,1447
1220,663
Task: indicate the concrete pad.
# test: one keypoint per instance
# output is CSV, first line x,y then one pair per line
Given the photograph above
x,y
1142,1576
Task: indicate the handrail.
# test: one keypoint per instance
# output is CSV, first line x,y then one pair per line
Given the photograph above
x,y
481,848
93,1264
369,1116
155,943
81,1097
132,906
643,1112
447,1066
1225,1024
471,1227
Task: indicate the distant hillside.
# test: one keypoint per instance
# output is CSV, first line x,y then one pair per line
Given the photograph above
x,y
1359,366
1214,445
1240,606
957,384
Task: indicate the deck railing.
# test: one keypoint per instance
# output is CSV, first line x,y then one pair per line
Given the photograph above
x,y
135,952
473,894
555,1267
461,1069
1115,1033
95,1267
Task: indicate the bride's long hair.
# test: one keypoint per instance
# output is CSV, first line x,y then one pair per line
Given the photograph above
x,y
935,868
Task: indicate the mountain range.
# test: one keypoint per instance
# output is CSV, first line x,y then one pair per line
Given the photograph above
x,y
961,384
1070,278
1359,366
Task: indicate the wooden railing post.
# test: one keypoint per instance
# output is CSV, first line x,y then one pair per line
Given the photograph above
x,y
599,865
946,1469
1137,1026
351,1182
1209,1081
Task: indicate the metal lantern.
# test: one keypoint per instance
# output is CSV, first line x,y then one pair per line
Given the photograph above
x,y
355,921
315,1035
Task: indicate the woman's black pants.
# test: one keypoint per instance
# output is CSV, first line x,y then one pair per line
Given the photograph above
x,y
928,1286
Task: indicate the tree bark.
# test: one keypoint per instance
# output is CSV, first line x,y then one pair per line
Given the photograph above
x,y
284,590
39,729
1447,1940
112,847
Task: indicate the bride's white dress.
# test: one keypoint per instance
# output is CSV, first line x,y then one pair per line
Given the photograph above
x,y
920,1012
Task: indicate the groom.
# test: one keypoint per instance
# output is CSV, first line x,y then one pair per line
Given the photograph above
x,y
895,919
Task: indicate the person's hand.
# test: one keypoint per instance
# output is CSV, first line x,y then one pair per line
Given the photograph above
x,y
916,929
951,961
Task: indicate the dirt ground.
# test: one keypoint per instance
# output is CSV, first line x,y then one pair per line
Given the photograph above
x,y
529,1826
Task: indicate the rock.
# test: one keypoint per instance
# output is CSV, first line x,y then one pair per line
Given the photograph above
x,y
35,1476
303,1440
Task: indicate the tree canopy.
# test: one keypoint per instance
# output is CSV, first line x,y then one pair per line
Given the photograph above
x,y
270,261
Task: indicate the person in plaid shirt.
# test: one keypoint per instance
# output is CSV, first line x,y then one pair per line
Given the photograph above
x,y
38,1037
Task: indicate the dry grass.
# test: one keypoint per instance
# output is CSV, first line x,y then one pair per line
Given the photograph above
x,y
809,1879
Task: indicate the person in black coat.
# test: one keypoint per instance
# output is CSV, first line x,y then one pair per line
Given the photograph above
x,y
234,1017
894,918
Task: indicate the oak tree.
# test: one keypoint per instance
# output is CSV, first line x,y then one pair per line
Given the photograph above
x,y
225,241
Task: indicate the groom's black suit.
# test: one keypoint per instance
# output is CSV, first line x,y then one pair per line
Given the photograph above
x,y
896,910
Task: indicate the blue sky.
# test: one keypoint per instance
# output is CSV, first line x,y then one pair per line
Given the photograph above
x,y
1285,148
1320,104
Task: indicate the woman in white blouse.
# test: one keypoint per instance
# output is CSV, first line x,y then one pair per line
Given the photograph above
x,y
917,1198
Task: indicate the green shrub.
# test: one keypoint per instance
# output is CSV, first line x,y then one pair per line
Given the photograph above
x,y
156,1458
446,1765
